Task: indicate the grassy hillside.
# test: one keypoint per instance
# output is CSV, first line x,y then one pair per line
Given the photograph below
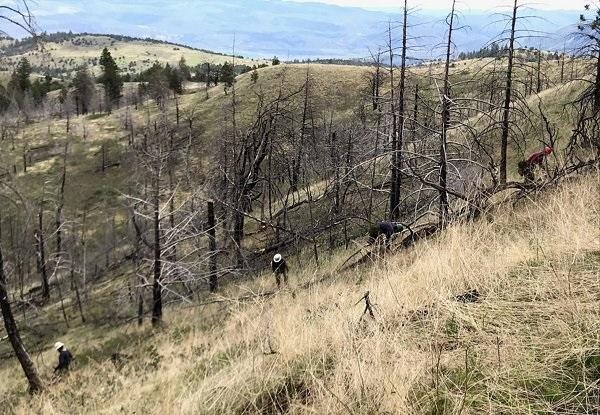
x,y
131,55
335,90
339,93
530,345
336,93
100,194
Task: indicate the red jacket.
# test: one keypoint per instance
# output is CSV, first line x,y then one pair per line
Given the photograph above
x,y
537,159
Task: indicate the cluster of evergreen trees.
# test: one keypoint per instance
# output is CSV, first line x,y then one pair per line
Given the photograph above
x,y
496,51
336,61
156,79
493,51
26,93
155,82
23,90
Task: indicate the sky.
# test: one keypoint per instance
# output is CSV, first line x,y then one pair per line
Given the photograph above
x,y
265,28
445,4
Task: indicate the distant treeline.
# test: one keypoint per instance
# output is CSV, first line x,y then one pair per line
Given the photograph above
x,y
336,61
496,51
493,51
205,72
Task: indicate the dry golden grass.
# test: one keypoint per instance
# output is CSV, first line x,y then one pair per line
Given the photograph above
x,y
531,346
143,54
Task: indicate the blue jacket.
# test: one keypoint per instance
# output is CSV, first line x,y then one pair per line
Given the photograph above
x,y
64,360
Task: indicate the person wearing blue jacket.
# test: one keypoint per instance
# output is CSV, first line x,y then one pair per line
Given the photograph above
x,y
384,228
64,358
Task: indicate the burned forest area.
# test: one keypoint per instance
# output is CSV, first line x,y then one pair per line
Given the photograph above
x,y
416,231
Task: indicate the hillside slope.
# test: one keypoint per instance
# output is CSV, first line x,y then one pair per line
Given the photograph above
x,y
336,89
530,345
131,55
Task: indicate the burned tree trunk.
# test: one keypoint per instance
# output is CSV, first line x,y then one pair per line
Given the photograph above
x,y
398,140
597,86
376,82
157,310
60,206
538,85
41,253
394,129
238,236
12,331
212,247
508,97
443,181
296,170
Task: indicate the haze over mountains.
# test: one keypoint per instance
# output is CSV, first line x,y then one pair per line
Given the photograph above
x,y
283,28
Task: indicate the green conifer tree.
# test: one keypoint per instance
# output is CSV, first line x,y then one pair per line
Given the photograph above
x,y
110,78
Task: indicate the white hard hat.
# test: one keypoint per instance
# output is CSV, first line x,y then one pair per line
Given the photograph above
x,y
277,258
58,345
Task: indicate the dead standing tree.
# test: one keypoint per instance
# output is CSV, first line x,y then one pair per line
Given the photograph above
x,y
15,201
19,16
441,156
446,103
163,217
508,96
153,158
31,373
587,104
398,120
40,242
241,163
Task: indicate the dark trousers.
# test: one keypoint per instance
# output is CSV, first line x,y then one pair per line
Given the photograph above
x,y
278,277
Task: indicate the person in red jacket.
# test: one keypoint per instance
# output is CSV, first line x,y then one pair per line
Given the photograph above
x,y
527,167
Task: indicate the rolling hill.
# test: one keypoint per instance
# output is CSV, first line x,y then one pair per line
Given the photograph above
x,y
64,53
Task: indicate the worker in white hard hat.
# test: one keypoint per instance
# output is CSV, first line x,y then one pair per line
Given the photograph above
x,y
64,357
280,269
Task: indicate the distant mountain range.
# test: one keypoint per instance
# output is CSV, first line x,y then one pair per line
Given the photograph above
x,y
264,28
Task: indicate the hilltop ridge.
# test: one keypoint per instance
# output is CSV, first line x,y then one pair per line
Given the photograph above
x,y
59,54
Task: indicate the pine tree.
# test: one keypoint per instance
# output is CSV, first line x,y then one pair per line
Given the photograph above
x,y
184,69
39,90
20,82
157,85
110,78
84,90
4,99
174,78
227,75
23,72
